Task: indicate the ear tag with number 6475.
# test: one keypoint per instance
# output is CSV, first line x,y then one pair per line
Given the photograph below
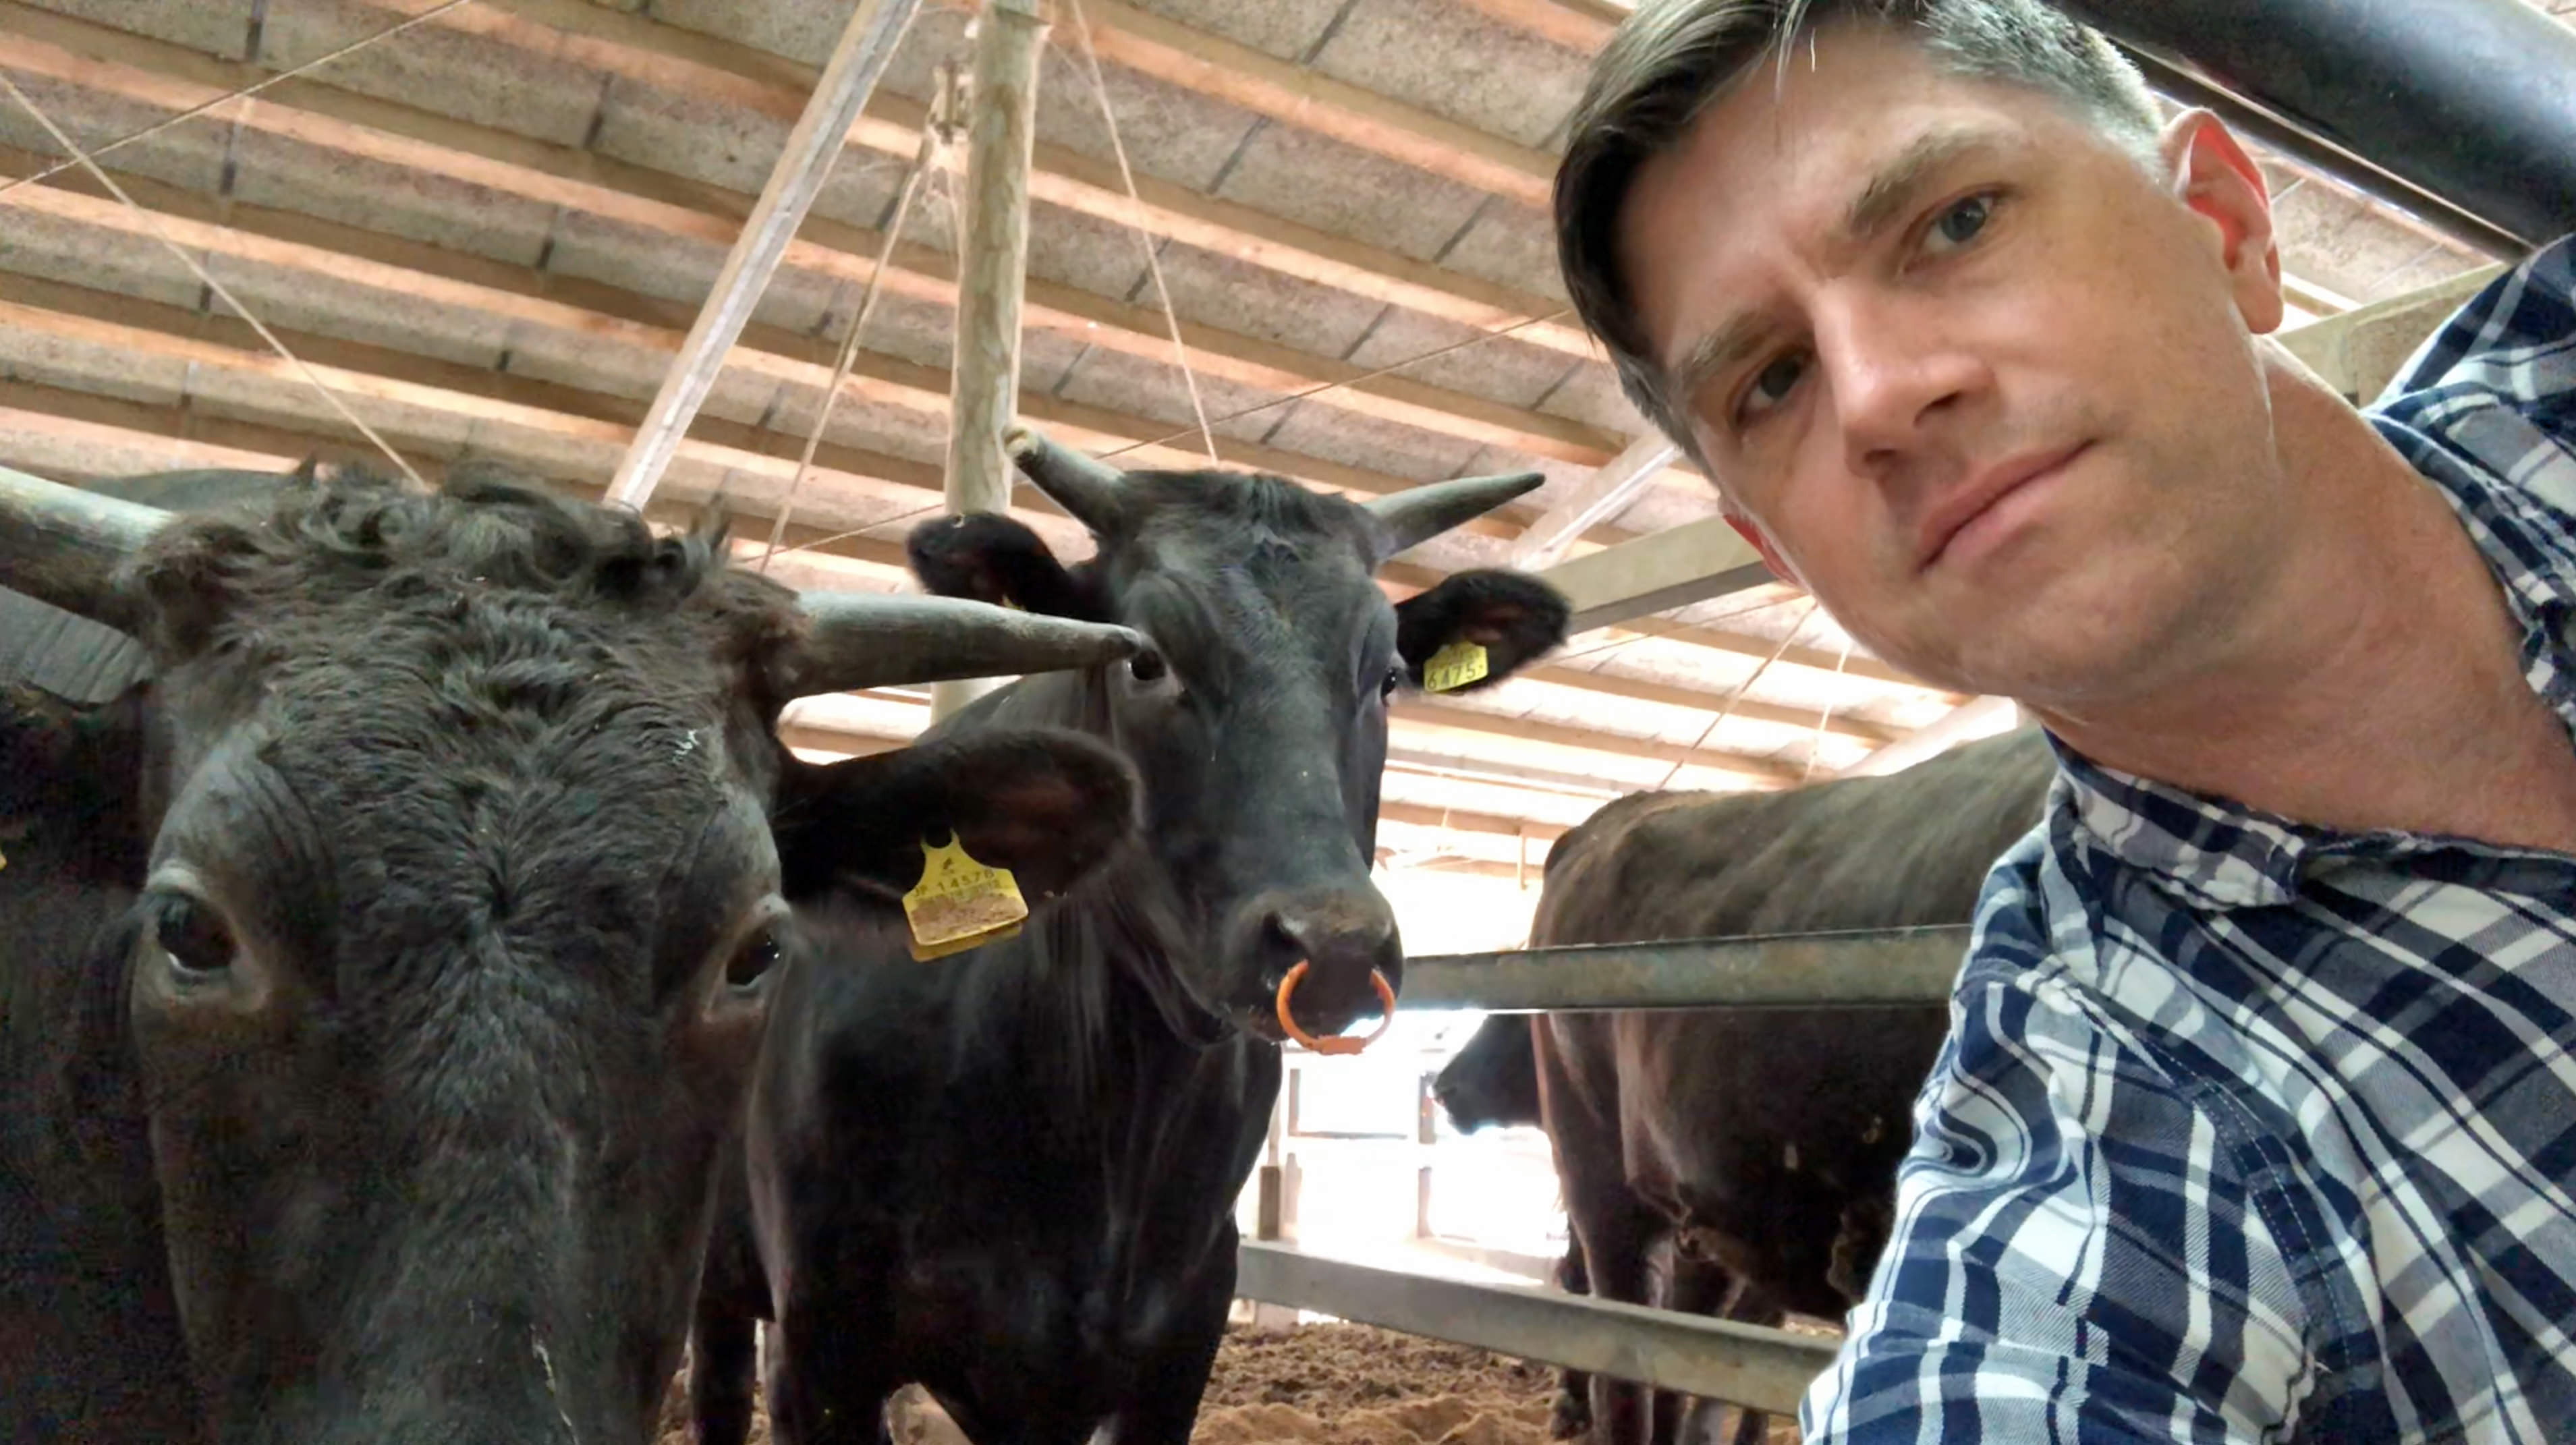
x,y
1454,666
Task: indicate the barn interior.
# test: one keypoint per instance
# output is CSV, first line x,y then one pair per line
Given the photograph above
x,y
1306,237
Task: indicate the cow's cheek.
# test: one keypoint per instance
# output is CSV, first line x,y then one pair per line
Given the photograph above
x,y
240,1136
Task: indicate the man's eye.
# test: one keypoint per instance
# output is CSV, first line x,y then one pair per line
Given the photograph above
x,y
1771,385
1960,222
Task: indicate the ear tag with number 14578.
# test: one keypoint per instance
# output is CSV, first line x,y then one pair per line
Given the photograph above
x,y
959,903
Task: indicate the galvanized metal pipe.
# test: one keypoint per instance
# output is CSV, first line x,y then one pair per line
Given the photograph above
x,y
1748,1365
2470,100
1876,968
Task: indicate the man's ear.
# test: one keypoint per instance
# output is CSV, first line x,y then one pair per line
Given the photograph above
x,y
1048,804
1760,540
71,786
2210,172
1512,615
988,558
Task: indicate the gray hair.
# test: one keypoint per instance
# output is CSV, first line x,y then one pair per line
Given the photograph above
x,y
1672,59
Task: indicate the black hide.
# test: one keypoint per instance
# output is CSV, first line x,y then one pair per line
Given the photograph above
x,y
1757,1150
1011,1177
380,979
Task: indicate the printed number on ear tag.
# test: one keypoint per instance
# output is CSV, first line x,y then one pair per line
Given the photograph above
x,y
959,903
1454,666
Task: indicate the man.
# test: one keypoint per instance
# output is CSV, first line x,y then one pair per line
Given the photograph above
x,y
2258,1116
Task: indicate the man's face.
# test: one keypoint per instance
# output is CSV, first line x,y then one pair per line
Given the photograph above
x,y
1985,382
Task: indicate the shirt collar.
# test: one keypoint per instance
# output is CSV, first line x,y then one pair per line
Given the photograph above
x,y
2217,853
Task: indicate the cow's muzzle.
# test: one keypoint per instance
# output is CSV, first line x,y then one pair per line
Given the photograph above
x,y
1341,948
1336,1044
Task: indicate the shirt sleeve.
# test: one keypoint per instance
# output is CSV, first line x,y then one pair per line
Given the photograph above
x,y
2075,1258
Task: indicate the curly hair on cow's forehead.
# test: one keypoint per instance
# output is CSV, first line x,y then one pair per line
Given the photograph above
x,y
332,533
1258,497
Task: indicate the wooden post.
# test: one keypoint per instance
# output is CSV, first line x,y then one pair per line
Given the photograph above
x,y
866,44
992,273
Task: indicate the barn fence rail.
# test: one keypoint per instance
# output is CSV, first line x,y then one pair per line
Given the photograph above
x,y
1866,968
1746,1365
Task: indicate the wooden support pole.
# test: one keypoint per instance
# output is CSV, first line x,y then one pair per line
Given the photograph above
x,y
1594,500
866,44
992,274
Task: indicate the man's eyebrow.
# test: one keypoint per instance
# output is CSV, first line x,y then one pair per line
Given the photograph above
x,y
1892,191
1717,351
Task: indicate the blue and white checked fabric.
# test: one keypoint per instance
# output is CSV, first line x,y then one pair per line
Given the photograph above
x,y
2247,1130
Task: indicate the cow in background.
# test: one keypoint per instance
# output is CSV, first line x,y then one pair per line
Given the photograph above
x,y
394,894
1759,1147
1012,1178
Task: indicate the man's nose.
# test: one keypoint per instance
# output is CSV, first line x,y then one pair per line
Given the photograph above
x,y
1892,375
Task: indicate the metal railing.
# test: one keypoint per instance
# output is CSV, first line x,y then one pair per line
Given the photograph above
x,y
1762,1368
1874,968
1747,1365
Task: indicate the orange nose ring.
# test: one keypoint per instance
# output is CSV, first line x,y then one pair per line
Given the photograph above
x,y
1336,1045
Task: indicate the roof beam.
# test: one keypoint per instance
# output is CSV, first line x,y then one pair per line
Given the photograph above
x,y
1841,724
1291,94
527,422
867,42
1452,717
1582,26
1982,718
710,69
625,318
1657,573
1595,500
153,73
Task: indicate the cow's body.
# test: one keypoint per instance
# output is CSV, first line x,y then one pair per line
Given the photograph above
x,y
1012,1178
386,939
1762,1145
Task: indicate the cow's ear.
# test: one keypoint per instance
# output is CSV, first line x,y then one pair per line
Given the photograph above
x,y
71,786
989,558
1049,805
1512,615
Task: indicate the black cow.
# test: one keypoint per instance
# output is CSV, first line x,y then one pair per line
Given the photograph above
x,y
1492,1081
1013,1179
1761,1147
383,973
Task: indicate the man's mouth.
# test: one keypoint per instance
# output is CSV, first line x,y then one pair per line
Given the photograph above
x,y
1965,504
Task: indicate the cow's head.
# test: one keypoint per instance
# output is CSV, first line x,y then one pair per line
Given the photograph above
x,y
1258,719
1494,1079
466,846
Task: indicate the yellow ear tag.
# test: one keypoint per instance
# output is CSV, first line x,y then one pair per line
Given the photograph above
x,y
1454,666
959,903
1012,606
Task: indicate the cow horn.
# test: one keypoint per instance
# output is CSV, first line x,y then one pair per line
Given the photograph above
x,y
1090,490
1418,514
879,639
63,545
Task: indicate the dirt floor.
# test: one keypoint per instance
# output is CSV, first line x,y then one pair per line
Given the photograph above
x,y
1330,1384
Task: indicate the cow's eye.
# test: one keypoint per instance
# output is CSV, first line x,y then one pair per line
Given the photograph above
x,y
1148,666
752,961
194,939
1394,679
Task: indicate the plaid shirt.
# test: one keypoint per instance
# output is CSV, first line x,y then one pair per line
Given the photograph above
x,y
2247,1130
